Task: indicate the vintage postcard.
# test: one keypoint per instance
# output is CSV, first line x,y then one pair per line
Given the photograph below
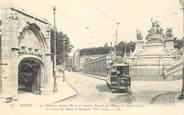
x,y
92,57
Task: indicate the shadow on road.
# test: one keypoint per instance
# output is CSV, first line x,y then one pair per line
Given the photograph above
x,y
116,97
165,98
123,98
103,88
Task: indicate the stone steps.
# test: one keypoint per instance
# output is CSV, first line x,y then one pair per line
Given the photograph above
x,y
175,71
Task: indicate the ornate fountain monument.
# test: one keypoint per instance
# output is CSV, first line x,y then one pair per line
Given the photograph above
x,y
153,55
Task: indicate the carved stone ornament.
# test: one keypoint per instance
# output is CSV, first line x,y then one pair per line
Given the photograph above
x,y
12,15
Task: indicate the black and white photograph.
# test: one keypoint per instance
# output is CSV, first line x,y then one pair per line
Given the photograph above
x,y
92,57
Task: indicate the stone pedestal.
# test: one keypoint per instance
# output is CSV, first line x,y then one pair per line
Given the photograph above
x,y
169,45
139,46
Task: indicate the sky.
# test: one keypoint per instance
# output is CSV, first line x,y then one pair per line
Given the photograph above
x,y
92,23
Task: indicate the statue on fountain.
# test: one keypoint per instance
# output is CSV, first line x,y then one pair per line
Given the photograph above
x,y
169,33
154,31
139,35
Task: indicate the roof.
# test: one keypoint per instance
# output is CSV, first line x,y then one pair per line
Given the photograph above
x,y
120,64
22,11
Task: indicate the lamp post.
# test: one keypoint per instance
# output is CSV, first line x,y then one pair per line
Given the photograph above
x,y
182,90
111,50
64,40
54,52
116,40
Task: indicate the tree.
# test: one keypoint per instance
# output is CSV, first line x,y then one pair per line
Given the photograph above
x,y
106,44
60,46
95,50
122,46
131,46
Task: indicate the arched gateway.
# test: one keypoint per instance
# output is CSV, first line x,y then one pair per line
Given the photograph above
x,y
25,53
30,74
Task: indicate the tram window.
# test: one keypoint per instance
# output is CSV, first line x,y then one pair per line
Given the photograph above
x,y
113,73
126,71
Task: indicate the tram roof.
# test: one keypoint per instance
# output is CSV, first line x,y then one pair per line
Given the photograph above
x,y
120,64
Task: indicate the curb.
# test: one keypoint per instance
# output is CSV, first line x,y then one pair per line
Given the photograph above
x,y
63,99
75,91
72,87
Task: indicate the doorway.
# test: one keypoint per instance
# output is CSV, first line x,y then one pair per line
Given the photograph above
x,y
29,76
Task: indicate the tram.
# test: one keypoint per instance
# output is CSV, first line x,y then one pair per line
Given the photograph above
x,y
118,78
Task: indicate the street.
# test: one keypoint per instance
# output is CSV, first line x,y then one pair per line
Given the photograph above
x,y
92,90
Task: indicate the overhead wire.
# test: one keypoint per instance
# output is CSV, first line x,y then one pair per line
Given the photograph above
x,y
110,18
87,28
71,18
77,22
64,14
47,4
103,13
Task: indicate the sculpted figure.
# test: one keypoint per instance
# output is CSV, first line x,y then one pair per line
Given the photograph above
x,y
155,29
169,33
139,35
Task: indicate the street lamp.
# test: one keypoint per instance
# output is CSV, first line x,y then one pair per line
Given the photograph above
x,y
64,41
111,51
116,40
182,91
54,52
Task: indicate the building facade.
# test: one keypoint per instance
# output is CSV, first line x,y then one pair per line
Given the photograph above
x,y
86,58
79,59
69,63
25,54
76,61
98,66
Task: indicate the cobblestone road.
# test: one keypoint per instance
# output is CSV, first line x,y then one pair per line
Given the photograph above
x,y
91,90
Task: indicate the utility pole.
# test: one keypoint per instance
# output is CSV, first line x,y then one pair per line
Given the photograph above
x,y
64,59
111,50
182,90
116,40
125,52
54,53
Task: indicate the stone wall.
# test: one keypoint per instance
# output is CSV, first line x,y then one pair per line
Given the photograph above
x,y
150,67
0,51
15,46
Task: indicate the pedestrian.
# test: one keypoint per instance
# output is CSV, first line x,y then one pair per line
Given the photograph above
x,y
63,72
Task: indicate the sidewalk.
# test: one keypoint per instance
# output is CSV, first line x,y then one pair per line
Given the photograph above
x,y
64,91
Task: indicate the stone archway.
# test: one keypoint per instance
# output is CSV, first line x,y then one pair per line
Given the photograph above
x,y
30,72
25,40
